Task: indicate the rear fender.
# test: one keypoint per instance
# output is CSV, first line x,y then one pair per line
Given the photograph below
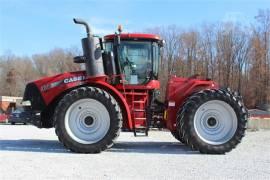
x,y
178,90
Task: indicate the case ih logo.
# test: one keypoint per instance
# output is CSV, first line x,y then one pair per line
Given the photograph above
x,y
74,79
46,87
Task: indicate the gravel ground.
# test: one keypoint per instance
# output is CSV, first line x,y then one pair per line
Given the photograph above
x,y
30,153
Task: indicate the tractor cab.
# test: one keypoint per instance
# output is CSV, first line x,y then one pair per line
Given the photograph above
x,y
138,56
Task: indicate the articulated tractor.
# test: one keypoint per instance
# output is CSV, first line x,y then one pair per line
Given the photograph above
x,y
118,91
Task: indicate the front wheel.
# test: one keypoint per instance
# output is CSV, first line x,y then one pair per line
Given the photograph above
x,y
212,121
87,120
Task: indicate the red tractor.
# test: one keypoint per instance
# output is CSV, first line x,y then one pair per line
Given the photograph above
x,y
118,91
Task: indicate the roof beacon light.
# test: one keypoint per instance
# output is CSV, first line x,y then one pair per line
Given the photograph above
x,y
119,28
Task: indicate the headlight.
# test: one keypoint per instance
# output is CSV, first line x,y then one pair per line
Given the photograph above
x,y
26,103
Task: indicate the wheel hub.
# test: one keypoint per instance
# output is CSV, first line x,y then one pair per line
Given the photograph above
x,y
211,122
88,121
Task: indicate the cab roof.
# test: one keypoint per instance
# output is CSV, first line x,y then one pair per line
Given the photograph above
x,y
136,36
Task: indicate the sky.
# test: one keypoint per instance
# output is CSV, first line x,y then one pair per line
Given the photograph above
x,y
30,27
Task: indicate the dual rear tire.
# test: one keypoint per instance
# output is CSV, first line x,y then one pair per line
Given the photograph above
x,y
212,121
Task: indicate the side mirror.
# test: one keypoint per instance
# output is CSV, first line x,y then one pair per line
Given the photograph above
x,y
108,62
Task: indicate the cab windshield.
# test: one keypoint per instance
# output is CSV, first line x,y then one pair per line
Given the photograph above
x,y
139,60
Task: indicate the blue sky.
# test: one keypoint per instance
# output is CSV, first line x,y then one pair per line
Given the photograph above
x,y
35,26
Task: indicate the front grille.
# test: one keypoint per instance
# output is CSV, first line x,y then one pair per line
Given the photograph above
x,y
32,94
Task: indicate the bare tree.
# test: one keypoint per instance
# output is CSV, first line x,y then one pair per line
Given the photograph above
x,y
231,54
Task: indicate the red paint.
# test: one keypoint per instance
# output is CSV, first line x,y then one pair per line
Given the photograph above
x,y
51,94
178,90
137,101
137,97
153,84
3,117
134,36
120,99
133,99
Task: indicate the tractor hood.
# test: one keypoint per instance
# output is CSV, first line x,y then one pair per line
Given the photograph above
x,y
42,91
60,80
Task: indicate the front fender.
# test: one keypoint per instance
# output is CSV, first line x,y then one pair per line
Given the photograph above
x,y
46,92
127,121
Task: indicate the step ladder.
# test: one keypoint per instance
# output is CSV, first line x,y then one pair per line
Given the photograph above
x,y
138,112
140,130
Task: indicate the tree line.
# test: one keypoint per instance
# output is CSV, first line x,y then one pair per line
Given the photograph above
x,y
16,72
233,54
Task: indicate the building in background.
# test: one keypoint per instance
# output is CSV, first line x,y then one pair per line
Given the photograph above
x,y
8,103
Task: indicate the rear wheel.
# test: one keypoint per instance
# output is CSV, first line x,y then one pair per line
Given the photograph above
x,y
87,120
177,136
212,121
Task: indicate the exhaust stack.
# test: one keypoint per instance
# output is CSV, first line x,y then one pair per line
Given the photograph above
x,y
92,52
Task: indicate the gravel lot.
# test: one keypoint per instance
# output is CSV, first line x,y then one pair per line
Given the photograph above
x,y
30,153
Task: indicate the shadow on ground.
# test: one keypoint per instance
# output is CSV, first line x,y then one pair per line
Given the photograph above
x,y
151,147
52,146
32,145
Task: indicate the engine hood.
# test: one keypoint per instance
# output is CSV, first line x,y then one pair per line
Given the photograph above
x,y
40,92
